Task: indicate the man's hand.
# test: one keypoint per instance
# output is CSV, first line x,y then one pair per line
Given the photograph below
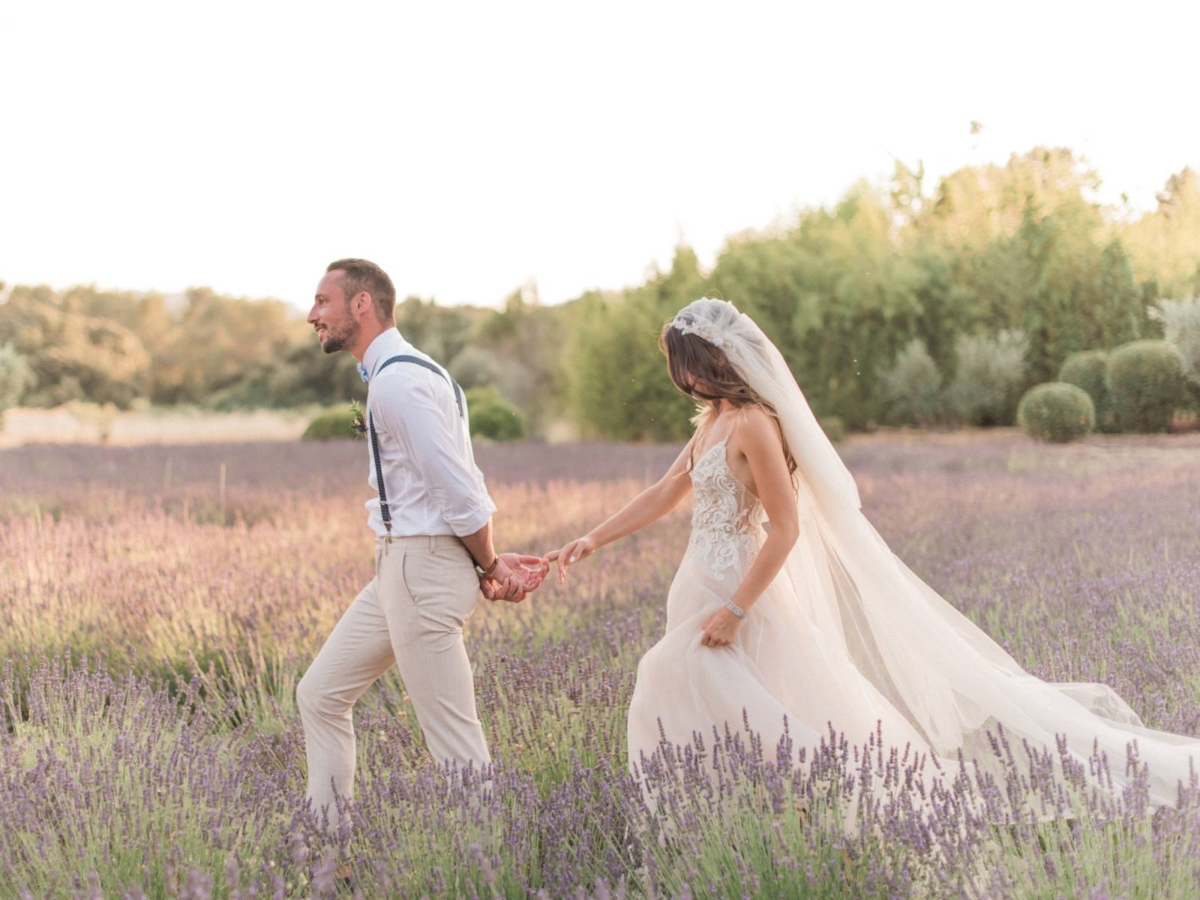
x,y
514,577
580,548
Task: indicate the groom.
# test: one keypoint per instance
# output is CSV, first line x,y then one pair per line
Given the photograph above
x,y
433,545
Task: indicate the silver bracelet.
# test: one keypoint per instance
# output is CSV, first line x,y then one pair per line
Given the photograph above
x,y
735,609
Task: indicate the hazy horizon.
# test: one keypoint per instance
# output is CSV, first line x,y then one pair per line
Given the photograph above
x,y
471,152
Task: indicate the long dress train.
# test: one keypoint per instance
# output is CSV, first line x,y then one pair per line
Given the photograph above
x,y
803,656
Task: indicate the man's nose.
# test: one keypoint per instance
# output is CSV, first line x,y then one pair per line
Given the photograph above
x,y
312,315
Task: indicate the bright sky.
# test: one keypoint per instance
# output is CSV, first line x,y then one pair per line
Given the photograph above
x,y
470,148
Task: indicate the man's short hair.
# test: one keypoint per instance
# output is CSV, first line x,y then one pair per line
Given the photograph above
x,y
363,275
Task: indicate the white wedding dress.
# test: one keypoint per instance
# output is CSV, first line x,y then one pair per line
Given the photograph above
x,y
780,665
848,637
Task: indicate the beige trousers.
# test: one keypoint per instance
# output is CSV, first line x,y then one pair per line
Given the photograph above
x,y
411,614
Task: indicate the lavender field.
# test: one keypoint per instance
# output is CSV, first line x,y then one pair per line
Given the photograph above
x,y
160,605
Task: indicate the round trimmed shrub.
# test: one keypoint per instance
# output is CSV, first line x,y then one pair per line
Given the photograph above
x,y
1087,370
492,416
1145,381
331,425
1057,412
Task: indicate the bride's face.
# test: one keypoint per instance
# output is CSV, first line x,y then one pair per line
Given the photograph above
x,y
693,384
696,385
697,368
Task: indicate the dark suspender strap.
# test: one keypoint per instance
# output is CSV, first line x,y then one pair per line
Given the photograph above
x,y
383,507
458,397
432,367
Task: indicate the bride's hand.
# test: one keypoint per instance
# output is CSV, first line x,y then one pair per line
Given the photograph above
x,y
578,549
720,629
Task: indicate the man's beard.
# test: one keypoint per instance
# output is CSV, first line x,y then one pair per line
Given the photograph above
x,y
335,341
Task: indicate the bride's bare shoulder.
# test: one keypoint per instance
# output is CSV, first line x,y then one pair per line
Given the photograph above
x,y
756,419
756,428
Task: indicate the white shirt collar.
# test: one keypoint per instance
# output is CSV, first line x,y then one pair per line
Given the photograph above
x,y
386,345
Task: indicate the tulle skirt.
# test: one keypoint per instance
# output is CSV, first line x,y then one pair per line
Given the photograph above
x,y
793,672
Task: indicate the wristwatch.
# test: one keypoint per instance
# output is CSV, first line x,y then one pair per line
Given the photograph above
x,y
484,573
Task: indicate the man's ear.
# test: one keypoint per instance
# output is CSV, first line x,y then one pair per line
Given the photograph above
x,y
361,302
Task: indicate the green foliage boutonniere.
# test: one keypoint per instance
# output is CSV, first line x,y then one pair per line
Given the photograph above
x,y
359,423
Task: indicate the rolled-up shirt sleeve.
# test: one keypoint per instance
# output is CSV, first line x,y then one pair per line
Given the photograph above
x,y
437,440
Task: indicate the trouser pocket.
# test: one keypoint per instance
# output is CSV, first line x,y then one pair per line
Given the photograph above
x,y
443,581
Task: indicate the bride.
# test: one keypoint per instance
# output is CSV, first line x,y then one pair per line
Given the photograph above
x,y
789,604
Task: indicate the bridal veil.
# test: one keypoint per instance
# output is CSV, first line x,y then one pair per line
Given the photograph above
x,y
938,673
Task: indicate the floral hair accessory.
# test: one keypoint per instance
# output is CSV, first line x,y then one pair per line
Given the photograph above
x,y
703,330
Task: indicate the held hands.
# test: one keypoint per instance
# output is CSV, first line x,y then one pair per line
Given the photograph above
x,y
720,629
514,577
576,550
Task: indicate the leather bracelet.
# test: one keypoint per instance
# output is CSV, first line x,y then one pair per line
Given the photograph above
x,y
484,573
735,609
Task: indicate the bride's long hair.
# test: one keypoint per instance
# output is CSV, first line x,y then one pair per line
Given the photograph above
x,y
703,372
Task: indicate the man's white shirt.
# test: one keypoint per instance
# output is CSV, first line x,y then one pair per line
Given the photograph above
x,y
433,485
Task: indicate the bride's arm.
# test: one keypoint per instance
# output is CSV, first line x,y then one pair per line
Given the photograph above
x,y
647,507
763,447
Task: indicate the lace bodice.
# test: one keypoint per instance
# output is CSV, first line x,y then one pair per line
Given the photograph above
x,y
727,519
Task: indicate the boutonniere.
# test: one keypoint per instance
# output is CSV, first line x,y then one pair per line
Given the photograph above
x,y
359,423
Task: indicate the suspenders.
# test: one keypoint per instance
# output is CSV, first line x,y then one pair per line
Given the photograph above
x,y
458,398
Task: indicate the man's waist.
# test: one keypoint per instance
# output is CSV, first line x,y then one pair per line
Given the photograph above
x,y
427,541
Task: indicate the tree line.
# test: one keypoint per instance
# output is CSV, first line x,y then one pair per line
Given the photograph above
x,y
1004,269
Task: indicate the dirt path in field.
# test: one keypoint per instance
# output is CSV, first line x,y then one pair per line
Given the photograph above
x,y
1007,448
1095,453
62,426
